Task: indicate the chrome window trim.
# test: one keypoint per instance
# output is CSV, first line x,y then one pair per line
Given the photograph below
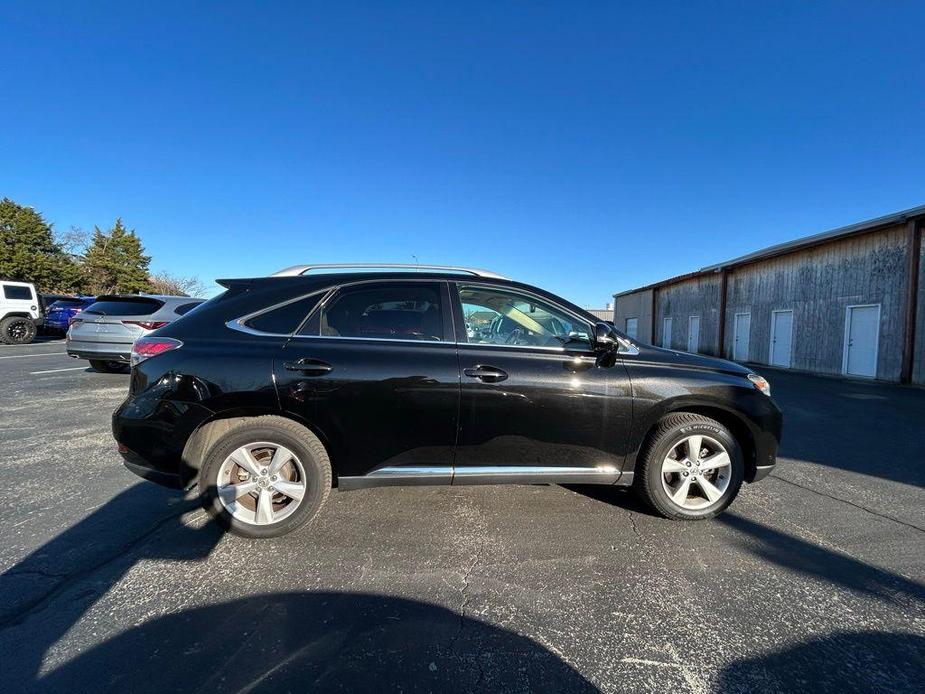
x,y
539,298
239,324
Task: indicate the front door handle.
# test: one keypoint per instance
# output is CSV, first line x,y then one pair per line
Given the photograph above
x,y
309,367
486,374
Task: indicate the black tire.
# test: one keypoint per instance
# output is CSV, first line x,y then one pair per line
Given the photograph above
x,y
302,442
109,366
668,433
16,330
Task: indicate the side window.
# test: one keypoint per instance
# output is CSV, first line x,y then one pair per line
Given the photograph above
x,y
12,291
396,311
500,317
285,319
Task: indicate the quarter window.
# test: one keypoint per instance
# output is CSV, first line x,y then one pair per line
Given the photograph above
x,y
498,317
285,319
399,311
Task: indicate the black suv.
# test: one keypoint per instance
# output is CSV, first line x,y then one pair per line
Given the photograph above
x,y
283,387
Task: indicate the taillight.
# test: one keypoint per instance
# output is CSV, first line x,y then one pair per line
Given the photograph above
x,y
146,324
147,347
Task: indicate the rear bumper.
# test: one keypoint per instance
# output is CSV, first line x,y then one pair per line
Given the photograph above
x,y
152,433
108,351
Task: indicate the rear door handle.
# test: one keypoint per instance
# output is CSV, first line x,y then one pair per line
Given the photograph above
x,y
309,367
486,374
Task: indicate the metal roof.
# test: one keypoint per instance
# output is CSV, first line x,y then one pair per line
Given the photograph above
x,y
792,246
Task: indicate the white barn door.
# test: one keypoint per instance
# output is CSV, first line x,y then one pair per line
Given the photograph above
x,y
781,337
693,334
666,333
862,333
742,328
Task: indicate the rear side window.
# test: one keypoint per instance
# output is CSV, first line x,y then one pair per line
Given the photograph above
x,y
399,311
285,319
142,306
11,291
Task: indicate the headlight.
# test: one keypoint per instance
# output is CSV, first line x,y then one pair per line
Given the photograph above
x,y
760,383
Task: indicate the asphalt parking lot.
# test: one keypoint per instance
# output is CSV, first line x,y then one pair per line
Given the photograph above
x,y
813,580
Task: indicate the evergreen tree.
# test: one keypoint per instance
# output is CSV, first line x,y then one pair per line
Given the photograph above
x,y
28,252
115,262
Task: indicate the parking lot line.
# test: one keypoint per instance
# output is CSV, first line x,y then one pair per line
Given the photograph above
x,y
54,371
24,356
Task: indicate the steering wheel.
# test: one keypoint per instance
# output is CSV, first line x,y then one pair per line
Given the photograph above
x,y
513,337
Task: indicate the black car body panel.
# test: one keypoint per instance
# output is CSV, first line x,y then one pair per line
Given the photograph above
x,y
391,406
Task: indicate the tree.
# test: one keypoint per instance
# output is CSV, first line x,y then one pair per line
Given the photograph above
x,y
29,253
172,285
115,262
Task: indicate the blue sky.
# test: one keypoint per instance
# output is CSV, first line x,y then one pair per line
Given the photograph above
x,y
586,147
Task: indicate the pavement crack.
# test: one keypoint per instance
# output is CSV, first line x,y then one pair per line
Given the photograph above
x,y
40,602
850,503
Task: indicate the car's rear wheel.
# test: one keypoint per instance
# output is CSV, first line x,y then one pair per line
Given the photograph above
x,y
690,468
16,330
109,366
265,477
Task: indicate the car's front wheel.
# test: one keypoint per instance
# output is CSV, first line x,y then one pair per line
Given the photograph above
x,y
17,331
690,468
265,477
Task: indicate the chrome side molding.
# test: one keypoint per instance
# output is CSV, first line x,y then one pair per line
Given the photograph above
x,y
485,474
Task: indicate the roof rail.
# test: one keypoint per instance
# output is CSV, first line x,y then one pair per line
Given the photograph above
x,y
296,270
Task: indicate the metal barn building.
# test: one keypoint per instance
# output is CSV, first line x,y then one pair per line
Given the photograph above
x,y
846,301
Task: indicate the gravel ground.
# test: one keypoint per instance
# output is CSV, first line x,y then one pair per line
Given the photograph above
x,y
813,580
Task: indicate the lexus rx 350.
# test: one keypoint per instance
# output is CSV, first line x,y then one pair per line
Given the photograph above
x,y
284,387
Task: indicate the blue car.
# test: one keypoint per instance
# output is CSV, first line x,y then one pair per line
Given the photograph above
x,y
59,314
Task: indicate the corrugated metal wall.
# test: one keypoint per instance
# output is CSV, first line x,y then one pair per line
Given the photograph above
x,y
637,305
694,297
817,284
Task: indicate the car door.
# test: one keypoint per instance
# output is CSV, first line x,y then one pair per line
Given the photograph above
x,y
374,371
537,403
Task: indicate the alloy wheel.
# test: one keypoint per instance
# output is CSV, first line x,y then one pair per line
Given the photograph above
x,y
696,472
261,483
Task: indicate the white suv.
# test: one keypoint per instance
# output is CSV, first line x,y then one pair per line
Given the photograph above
x,y
19,312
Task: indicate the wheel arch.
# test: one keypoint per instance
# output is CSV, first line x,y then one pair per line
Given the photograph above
x,y
208,432
736,424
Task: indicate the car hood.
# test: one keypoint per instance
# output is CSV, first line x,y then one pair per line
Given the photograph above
x,y
697,361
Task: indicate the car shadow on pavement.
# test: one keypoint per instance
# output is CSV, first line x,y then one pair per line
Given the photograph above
x,y
867,661
284,641
614,495
316,642
795,554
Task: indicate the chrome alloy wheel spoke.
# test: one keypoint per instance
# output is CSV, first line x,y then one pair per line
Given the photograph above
x,y
261,483
696,472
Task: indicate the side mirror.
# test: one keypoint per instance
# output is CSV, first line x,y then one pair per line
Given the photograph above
x,y
605,339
